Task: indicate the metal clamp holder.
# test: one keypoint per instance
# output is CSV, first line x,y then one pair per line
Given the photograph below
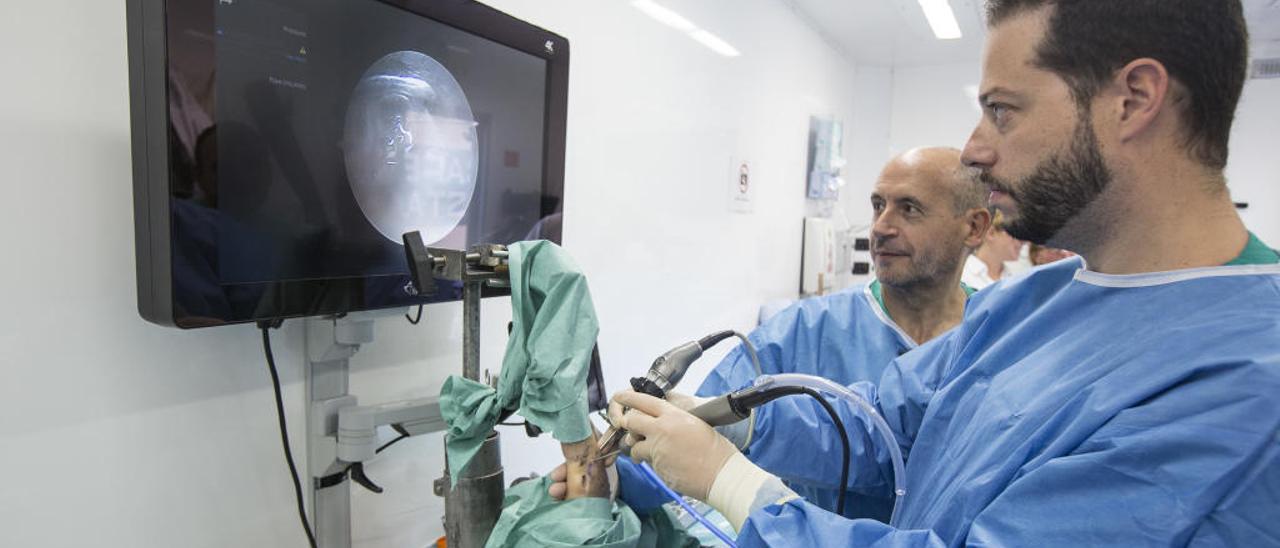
x,y
482,263
472,505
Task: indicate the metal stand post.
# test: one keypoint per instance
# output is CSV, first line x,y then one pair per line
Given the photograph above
x,y
330,344
471,329
473,505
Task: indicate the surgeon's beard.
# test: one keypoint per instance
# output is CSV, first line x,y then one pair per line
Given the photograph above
x,y
1058,190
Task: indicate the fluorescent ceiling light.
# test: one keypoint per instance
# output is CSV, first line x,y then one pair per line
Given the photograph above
x,y
941,19
665,16
676,21
715,43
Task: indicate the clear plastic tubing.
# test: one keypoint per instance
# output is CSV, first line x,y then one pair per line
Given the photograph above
x,y
823,385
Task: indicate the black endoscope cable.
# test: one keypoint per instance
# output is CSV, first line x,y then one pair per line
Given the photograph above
x,y
757,399
844,443
762,397
711,340
284,430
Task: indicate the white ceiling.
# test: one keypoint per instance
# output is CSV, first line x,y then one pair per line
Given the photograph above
x,y
895,33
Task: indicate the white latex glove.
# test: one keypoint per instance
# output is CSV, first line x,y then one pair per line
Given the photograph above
x,y
738,433
562,488
684,401
685,452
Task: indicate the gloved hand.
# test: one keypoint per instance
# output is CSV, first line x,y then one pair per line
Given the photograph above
x,y
560,488
684,401
684,451
738,433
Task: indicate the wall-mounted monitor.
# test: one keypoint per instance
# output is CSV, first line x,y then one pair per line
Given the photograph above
x,y
282,147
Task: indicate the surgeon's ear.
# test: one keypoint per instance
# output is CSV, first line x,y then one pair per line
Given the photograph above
x,y
977,223
1141,89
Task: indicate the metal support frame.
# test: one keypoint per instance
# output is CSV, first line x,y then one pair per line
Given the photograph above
x,y
473,504
339,430
484,265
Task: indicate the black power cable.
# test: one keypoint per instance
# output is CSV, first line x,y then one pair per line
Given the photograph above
x,y
284,431
413,320
356,472
390,443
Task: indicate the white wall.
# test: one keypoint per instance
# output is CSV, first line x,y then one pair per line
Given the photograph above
x,y
1253,170
120,433
932,107
871,145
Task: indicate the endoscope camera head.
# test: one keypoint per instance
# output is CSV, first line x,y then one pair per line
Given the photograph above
x,y
663,375
667,370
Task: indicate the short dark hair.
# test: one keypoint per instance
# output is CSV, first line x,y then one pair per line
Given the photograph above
x,y
1204,44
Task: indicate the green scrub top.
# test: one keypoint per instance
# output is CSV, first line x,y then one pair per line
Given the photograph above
x,y
878,293
1255,252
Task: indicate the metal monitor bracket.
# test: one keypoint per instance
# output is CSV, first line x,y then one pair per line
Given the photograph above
x,y
341,434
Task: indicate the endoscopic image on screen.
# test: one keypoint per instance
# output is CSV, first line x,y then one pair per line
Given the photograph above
x,y
410,147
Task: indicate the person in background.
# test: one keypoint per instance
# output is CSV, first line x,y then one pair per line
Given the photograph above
x,y
1042,255
988,264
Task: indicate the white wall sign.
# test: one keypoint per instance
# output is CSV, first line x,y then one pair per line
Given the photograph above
x,y
742,182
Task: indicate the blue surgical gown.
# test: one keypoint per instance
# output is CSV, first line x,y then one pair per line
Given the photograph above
x,y
1069,408
846,337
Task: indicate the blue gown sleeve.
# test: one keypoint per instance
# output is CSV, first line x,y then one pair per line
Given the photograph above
x,y
1247,517
736,369
1194,464
799,523
795,339
795,439
636,489
1197,460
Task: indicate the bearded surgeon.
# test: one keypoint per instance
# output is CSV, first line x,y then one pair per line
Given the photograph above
x,y
1129,396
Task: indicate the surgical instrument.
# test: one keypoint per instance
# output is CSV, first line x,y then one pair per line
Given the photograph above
x,y
664,374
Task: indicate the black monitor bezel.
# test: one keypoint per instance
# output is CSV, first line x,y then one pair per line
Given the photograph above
x,y
149,119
